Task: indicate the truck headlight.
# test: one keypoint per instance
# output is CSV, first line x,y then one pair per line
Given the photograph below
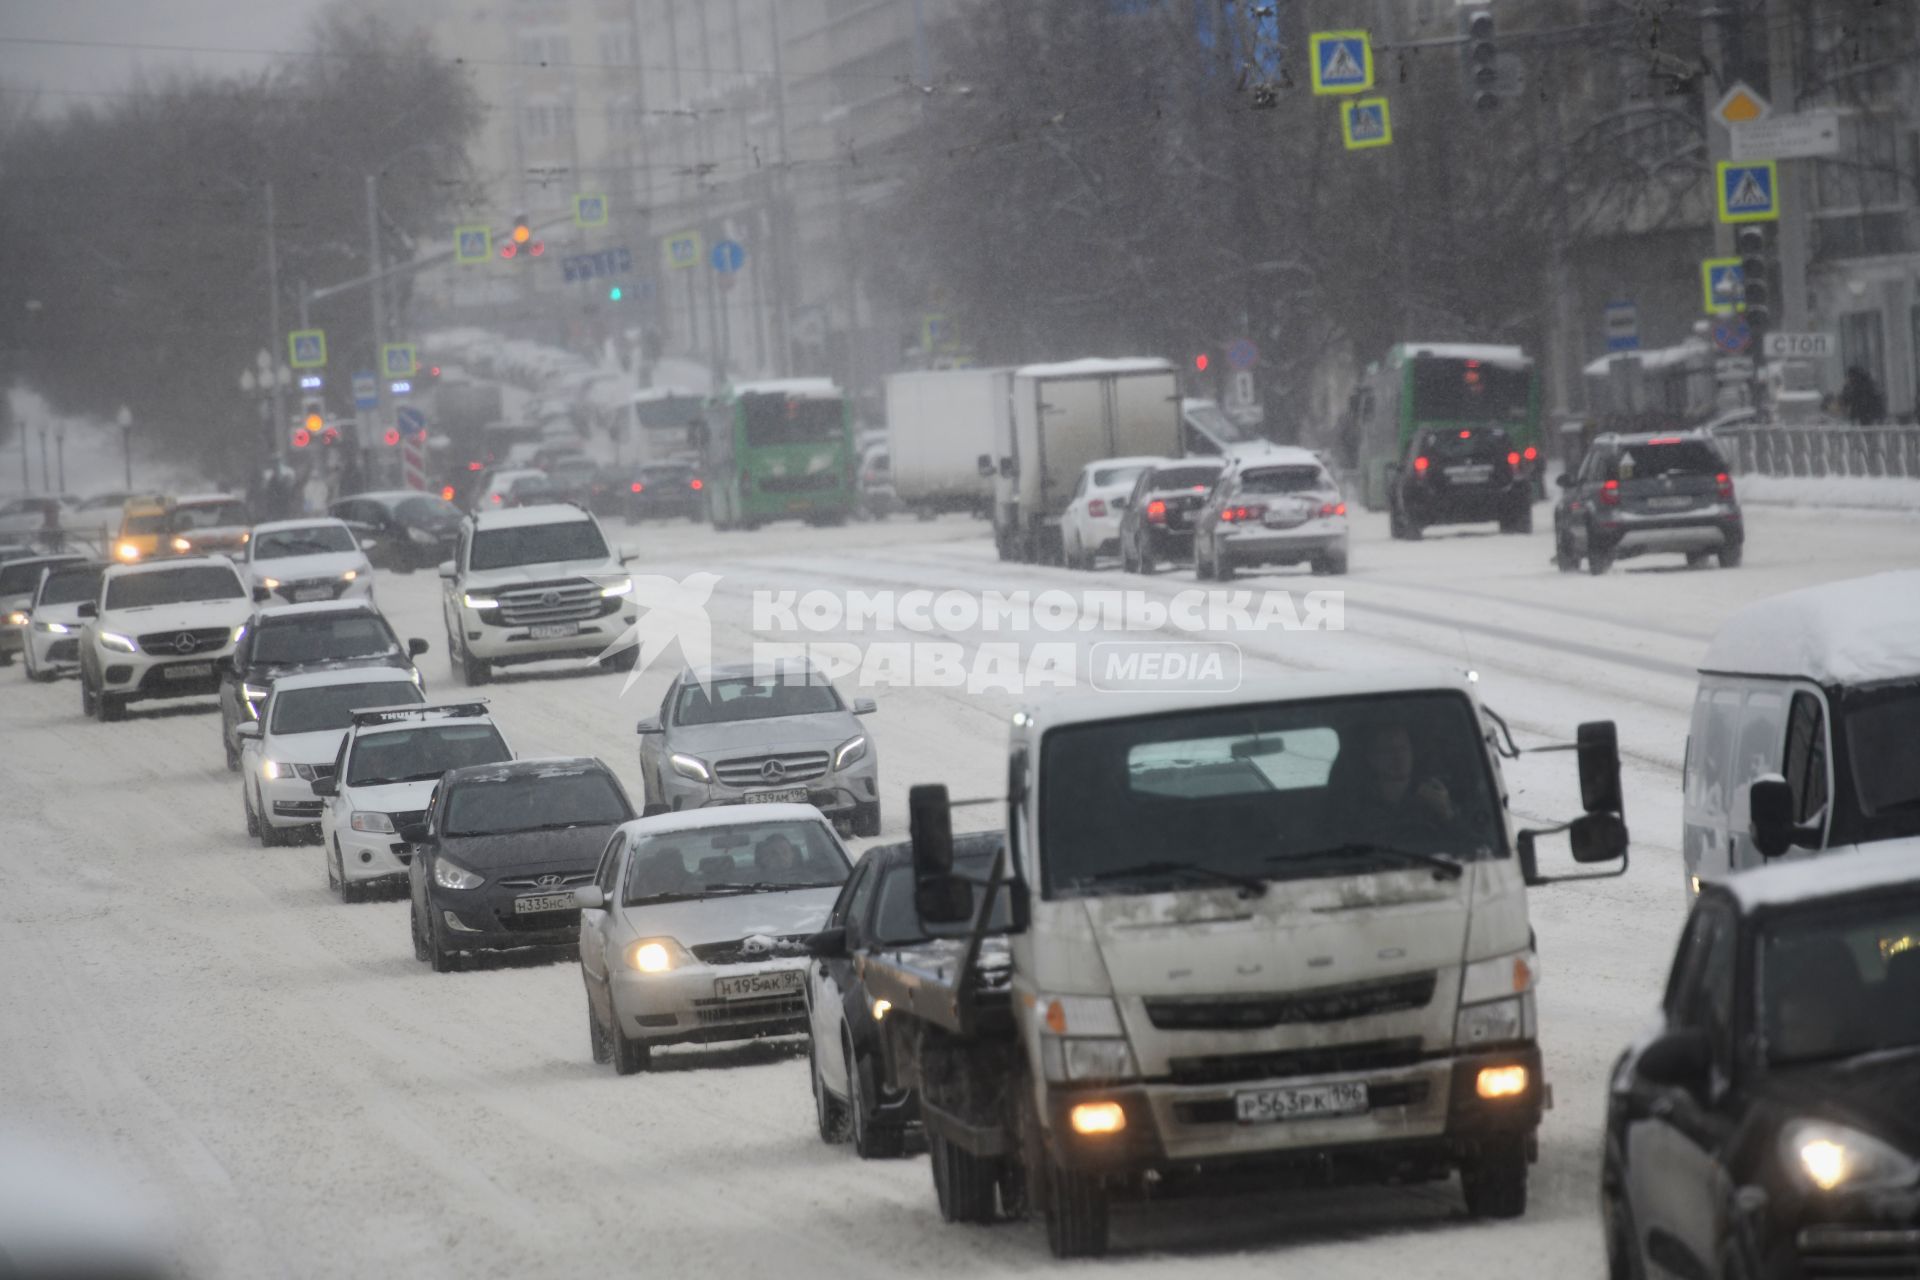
x,y
1493,1022
1506,975
473,601
117,642
620,588
854,748
376,823
1828,1156
450,875
690,767
1087,1058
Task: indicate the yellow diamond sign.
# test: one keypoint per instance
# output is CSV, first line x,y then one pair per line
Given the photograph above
x,y
1741,105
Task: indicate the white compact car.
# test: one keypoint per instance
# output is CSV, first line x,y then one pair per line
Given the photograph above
x,y
1090,526
388,764
50,638
295,741
532,583
297,561
694,929
164,629
19,580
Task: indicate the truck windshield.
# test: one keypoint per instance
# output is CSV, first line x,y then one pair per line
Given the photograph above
x,y
1288,790
791,420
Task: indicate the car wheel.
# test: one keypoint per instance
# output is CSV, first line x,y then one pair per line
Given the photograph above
x,y
227,745
348,890
624,660
1143,561
630,1057
1730,557
473,671
253,819
443,958
1623,1258
1078,1220
1127,562
1495,1181
1222,565
1695,559
1334,563
271,837
597,1038
335,879
870,1141
112,706
829,1113
1598,562
420,950
866,819
1519,520
963,1182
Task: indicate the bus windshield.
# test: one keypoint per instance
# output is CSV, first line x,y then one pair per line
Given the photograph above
x,y
773,420
1458,390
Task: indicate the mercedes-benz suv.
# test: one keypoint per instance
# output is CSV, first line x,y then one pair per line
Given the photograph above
x,y
159,630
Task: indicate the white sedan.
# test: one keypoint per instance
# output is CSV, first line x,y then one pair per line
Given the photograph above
x,y
302,560
296,743
1090,526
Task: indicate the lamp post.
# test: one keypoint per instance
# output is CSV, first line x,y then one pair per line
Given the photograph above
x,y
125,419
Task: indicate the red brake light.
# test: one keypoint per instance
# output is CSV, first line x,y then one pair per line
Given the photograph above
x,y
1096,506
1610,494
1664,440
1532,453
473,466
696,484
1157,512
1725,482
1466,435
496,499
1513,459
638,487
1333,508
1420,465
446,493
1242,513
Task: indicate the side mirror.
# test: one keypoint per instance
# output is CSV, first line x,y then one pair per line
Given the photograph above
x,y
943,900
1564,480
261,595
1770,815
1598,837
828,944
984,464
416,647
590,897
1680,1058
88,609
865,706
650,725
1007,467
628,555
325,787
247,729
930,824
1598,746
447,570
412,832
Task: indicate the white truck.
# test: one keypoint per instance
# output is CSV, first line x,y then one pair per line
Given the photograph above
x,y
1277,936
940,423
1065,416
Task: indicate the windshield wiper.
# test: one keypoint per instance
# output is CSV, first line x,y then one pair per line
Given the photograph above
x,y
1443,867
1249,886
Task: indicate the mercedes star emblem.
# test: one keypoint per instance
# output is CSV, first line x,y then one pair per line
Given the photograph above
x,y
773,771
185,643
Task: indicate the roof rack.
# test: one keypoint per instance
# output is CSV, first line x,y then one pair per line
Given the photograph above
x,y
419,711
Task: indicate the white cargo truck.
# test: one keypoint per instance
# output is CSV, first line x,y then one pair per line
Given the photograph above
x,y
940,423
1065,416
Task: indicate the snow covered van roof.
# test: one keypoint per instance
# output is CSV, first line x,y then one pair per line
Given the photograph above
x,y
1860,631
1093,365
1885,865
1486,353
797,388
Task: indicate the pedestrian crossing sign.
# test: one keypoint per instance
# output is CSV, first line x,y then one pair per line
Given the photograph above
x,y
472,243
1342,62
1749,191
307,348
1364,122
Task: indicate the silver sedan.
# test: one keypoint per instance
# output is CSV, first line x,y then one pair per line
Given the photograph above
x,y
745,734
694,929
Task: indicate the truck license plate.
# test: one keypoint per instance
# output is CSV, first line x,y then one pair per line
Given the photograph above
x,y
537,902
792,795
1259,1106
778,982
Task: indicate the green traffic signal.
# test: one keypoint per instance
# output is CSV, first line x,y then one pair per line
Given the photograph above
x,y
613,294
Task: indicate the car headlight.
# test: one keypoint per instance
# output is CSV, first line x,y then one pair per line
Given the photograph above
x,y
118,643
238,631
854,748
17,619
473,601
1828,1156
377,823
126,551
656,955
1087,1058
274,769
450,875
619,588
690,767
53,628
271,584
350,575
182,545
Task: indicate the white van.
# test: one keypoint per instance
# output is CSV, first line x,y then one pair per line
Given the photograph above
x,y
1806,727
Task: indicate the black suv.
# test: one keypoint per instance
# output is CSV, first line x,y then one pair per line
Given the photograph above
x,y
302,637
401,529
1461,475
666,489
1643,494
500,851
1158,523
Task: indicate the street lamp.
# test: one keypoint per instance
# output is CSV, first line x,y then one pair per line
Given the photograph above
x,y
125,419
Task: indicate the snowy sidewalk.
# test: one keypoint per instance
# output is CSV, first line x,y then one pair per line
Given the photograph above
x,y
1871,493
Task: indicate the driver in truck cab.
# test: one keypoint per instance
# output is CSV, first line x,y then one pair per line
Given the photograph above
x,y
1392,800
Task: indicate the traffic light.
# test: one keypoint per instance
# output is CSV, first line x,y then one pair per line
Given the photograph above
x,y
1756,273
312,423
1201,362
614,293
1483,59
520,241
392,437
302,437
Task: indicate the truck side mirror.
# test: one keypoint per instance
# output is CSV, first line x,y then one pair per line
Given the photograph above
x,y
985,466
943,900
1598,746
1770,815
1598,837
930,823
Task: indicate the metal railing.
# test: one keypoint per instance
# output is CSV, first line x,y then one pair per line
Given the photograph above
x,y
1823,451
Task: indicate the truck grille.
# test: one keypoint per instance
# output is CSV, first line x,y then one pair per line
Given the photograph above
x,y
574,601
720,1013
773,769
185,641
1368,1055
736,952
1329,1004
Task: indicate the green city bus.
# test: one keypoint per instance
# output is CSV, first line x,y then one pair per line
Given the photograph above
x,y
778,450
1439,385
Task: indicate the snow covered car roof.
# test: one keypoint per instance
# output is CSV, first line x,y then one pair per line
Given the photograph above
x,y
115,571
271,612
345,675
730,815
1486,353
1137,460
1094,365
1090,708
540,513
309,522
1277,455
1860,631
539,767
798,388
1890,864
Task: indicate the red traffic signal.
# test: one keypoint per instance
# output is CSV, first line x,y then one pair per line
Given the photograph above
x,y
330,436
301,438
1201,361
392,436
509,251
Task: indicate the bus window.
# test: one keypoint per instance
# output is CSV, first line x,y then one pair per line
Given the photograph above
x,y
773,420
1449,390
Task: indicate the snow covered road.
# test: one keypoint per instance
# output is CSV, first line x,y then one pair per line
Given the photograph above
x,y
303,1098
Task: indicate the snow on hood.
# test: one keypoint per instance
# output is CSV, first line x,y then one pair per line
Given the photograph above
x,y
294,568
1857,632
394,797
318,747
777,913
193,613
596,569
824,730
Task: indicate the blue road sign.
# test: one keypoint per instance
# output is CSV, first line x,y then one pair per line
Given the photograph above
x,y
1732,335
1342,61
1723,283
1623,326
411,421
366,392
1748,192
728,256
307,348
472,243
1242,354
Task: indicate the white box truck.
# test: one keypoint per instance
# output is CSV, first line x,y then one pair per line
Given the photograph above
x,y
1065,416
940,423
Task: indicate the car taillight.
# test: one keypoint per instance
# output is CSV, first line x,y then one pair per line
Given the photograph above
x,y
1333,508
1230,515
637,487
1096,506
696,485
474,466
1725,483
1610,494
496,499
1420,465
1156,512
446,493
1513,459
1531,453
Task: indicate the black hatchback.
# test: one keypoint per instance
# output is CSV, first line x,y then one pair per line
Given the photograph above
x,y
1158,523
1768,1126
1645,494
500,851
1461,475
